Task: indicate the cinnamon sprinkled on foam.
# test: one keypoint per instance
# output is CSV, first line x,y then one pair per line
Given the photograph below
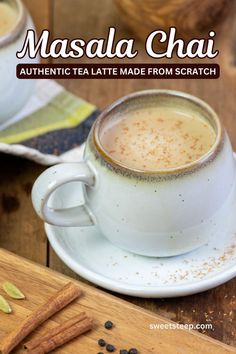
x,y
158,138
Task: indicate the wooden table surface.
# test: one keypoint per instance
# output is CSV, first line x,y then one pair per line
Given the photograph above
x,y
22,232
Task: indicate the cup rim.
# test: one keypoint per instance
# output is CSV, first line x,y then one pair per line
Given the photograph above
x,y
201,161
19,25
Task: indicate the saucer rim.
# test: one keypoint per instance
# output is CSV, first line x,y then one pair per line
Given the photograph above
x,y
163,291
148,291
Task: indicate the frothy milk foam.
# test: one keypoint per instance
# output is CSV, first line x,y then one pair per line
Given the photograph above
x,y
8,17
158,138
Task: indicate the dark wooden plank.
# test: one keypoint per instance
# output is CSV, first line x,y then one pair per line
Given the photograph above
x,y
20,229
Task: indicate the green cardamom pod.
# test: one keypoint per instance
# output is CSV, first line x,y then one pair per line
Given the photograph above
x,y
13,291
4,306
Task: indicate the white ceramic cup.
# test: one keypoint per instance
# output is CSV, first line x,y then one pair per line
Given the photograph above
x,y
149,213
14,93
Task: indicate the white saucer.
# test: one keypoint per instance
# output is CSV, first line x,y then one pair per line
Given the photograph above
x,y
90,255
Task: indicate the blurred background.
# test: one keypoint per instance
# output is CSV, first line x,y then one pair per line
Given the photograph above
x,y
88,19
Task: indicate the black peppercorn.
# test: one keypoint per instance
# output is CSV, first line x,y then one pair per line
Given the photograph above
x,y
100,353
133,351
108,325
101,342
110,348
124,351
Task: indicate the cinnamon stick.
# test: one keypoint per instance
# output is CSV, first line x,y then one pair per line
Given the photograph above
x,y
63,337
57,302
52,332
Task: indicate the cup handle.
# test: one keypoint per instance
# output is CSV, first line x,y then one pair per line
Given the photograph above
x,y
53,178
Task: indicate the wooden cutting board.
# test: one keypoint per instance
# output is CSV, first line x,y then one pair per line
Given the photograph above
x,y
132,324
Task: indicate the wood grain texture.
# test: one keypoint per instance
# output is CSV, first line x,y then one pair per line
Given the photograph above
x,y
40,283
20,229
40,11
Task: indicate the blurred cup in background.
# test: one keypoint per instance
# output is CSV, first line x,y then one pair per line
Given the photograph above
x,y
14,93
190,17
